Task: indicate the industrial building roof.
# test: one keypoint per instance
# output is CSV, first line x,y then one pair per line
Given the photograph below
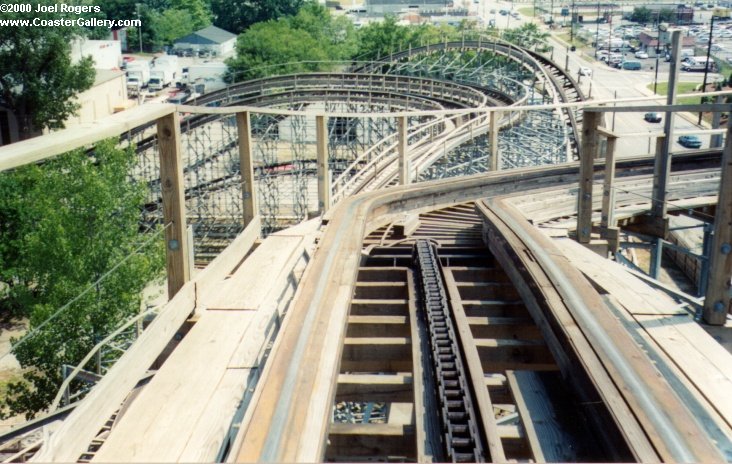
x,y
207,36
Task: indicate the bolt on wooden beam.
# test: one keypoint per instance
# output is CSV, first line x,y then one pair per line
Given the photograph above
x,y
718,301
174,213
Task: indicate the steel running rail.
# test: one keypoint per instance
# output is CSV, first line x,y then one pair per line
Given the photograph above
x,y
297,391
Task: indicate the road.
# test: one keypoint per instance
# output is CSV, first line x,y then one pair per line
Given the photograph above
x,y
607,83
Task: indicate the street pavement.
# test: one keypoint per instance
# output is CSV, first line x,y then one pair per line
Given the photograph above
x,y
608,83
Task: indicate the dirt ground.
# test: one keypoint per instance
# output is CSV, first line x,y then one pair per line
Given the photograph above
x,y
9,367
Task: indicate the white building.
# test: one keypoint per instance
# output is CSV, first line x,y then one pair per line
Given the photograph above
x,y
107,54
383,7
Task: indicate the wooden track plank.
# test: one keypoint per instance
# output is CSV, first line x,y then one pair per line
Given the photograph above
x,y
642,369
378,326
225,263
371,387
210,431
289,418
77,431
633,294
474,365
159,423
351,440
427,426
244,290
706,364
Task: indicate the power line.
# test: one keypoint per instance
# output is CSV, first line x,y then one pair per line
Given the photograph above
x,y
91,286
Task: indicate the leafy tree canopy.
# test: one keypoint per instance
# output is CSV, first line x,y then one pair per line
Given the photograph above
x,y
274,42
60,233
295,44
641,15
39,83
383,38
380,39
170,25
528,36
237,15
199,11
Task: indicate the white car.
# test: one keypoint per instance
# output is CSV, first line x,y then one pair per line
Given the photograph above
x,y
641,55
585,71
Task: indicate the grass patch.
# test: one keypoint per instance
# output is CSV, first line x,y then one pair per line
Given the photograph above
x,y
527,11
681,87
564,36
8,377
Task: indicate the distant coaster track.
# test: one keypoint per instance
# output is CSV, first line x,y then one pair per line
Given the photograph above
x,y
567,89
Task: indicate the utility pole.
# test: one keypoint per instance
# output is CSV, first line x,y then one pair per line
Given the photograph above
x,y
662,165
551,12
139,27
571,24
597,30
706,65
658,43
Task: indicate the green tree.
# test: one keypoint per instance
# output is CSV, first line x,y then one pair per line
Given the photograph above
x,y
667,15
150,41
308,41
69,221
170,25
528,36
335,34
237,15
270,43
641,15
38,82
383,38
198,9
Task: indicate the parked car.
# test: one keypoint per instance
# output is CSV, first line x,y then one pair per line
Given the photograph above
x,y
180,97
641,55
652,117
632,65
585,71
690,141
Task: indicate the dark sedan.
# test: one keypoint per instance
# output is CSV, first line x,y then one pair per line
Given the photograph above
x,y
690,141
652,117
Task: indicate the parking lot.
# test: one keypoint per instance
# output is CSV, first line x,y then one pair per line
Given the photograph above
x,y
624,41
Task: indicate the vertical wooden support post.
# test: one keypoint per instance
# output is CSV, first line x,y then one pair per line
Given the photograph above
x,y
403,149
662,166
716,139
321,141
654,267
590,121
658,225
718,301
607,218
495,157
246,166
174,206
